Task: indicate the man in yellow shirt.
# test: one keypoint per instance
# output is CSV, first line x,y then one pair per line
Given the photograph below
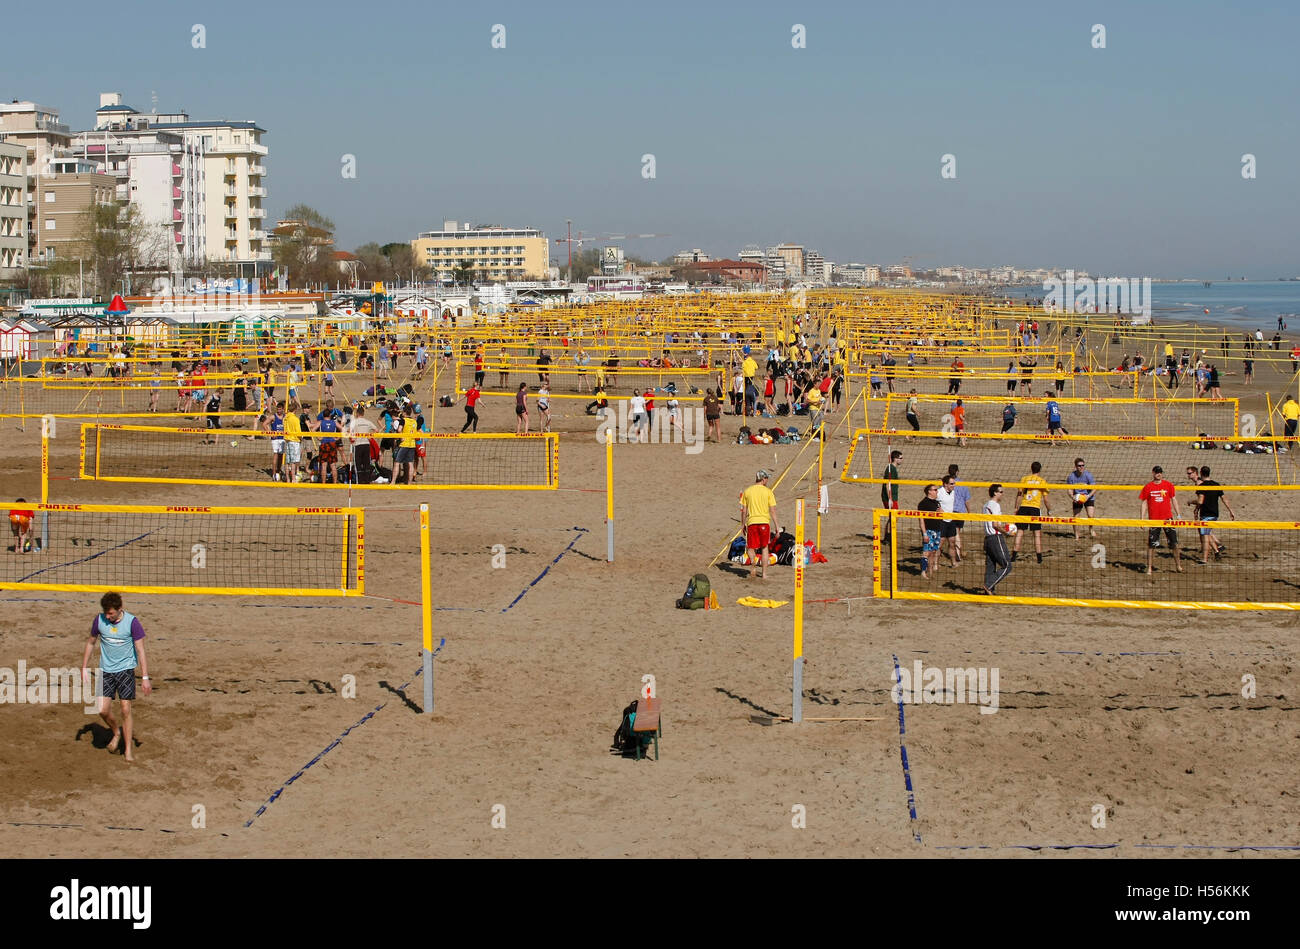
x,y
749,367
758,519
1032,501
292,442
1291,416
406,447
814,399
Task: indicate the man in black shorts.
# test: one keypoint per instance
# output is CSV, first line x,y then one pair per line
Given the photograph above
x,y
1159,503
121,647
1031,501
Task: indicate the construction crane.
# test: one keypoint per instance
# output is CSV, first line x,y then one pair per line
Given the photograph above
x,y
580,240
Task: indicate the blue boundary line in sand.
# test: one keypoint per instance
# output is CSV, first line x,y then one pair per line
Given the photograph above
x,y
71,563
335,743
579,531
902,749
1225,847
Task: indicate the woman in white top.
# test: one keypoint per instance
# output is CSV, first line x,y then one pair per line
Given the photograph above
x,y
544,407
997,562
637,411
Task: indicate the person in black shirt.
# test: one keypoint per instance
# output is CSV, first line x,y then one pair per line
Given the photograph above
x,y
930,526
1208,498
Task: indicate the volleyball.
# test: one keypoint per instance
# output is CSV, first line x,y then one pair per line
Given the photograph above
x,y
1011,528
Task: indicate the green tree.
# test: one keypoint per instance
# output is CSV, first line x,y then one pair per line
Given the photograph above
x,y
463,272
304,247
120,251
585,263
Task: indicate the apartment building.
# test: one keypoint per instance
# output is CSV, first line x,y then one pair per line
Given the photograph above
x,y
793,255
500,252
66,192
814,267
13,209
233,181
37,129
161,174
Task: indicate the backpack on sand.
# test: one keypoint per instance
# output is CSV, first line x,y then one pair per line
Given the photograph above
x,y
625,741
697,594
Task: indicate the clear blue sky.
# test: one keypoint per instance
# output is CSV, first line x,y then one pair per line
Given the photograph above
x,y
1124,160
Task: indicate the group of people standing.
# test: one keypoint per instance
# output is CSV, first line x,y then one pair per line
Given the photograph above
x,y
941,535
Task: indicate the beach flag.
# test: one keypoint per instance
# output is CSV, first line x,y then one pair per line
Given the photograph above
x,y
713,603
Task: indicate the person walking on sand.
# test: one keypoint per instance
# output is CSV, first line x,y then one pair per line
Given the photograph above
x,y
758,519
121,649
1209,495
997,562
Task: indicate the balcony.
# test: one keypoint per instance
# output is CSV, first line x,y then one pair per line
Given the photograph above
x,y
180,238
231,212
257,212
232,191
176,170
256,235
256,170
176,193
255,192
176,214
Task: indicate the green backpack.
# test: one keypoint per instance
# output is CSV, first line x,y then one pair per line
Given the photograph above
x,y
697,593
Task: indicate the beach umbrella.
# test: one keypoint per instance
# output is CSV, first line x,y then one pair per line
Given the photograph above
x,y
118,306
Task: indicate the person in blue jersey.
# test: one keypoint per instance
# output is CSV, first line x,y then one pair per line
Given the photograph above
x,y
273,425
1053,413
121,649
327,422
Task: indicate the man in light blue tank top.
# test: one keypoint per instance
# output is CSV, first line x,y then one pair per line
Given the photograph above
x,y
121,644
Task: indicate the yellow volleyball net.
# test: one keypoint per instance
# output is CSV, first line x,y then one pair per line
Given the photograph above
x,y
1252,565
145,454
1115,462
262,551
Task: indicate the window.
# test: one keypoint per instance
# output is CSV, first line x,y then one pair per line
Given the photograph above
x,y
49,224
49,197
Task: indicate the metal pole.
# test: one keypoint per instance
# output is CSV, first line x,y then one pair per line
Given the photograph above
x,y
797,713
609,492
426,609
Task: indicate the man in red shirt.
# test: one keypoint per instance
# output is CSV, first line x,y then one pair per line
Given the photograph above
x,y
471,397
1160,504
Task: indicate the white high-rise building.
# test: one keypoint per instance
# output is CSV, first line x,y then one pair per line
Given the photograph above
x,y
234,185
162,175
13,209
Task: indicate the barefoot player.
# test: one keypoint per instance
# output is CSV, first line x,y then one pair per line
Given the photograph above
x,y
121,645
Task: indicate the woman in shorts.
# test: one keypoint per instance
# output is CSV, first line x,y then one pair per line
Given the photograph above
x,y
521,409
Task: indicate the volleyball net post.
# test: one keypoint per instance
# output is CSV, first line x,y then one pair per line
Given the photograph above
x,y
426,608
796,714
45,482
609,494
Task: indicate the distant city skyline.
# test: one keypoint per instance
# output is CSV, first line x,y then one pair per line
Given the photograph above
x,y
1125,160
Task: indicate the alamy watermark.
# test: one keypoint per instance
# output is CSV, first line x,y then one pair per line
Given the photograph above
x,y
936,686
1130,295
55,686
670,425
